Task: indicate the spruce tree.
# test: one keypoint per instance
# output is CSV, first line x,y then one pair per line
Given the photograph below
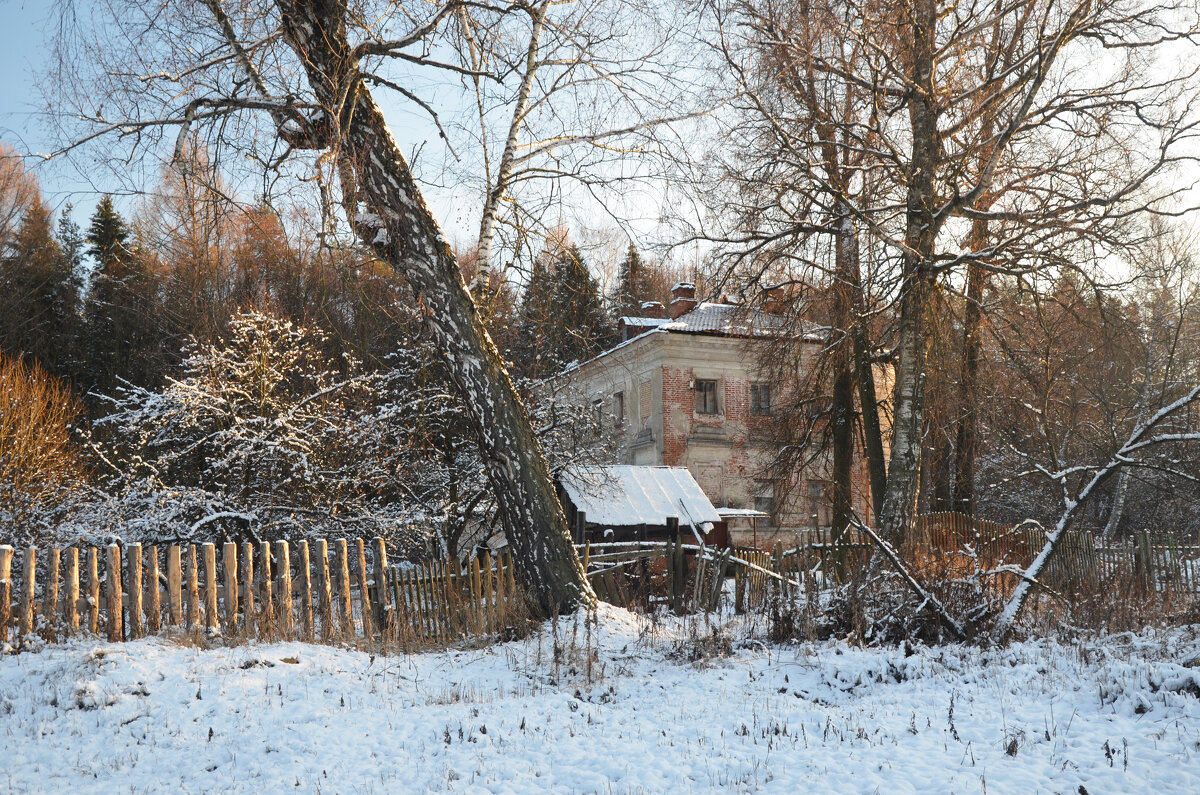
x,y
123,342
580,329
632,289
39,293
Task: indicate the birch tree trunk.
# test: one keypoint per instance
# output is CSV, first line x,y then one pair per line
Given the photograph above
x,y
899,500
388,213
500,184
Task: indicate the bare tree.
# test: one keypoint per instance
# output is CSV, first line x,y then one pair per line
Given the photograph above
x,y
983,113
299,74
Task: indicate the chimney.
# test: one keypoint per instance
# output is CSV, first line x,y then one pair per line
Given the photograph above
x,y
775,301
683,299
654,309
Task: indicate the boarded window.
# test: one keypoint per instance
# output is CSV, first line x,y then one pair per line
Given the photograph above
x,y
645,400
760,399
706,397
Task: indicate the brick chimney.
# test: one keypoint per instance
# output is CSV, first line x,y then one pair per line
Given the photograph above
x,y
653,309
683,299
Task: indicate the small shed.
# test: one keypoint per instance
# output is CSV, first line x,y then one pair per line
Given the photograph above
x,y
634,503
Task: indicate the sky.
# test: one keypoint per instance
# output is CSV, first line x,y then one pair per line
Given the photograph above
x,y
24,25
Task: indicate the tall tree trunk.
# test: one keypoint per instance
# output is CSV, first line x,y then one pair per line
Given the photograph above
x,y
968,411
872,430
918,283
842,424
388,213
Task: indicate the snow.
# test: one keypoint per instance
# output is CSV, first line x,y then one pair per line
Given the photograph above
x,y
1104,716
633,495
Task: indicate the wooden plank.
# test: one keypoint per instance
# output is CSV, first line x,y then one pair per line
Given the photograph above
x,y
489,595
324,597
229,560
50,593
266,592
212,620
72,606
154,609
193,588
395,622
306,592
93,599
6,558
477,606
133,579
28,583
383,617
283,562
422,602
247,589
174,586
364,590
342,560
115,631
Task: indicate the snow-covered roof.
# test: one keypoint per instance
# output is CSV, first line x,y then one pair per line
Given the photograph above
x,y
741,513
724,320
646,322
632,495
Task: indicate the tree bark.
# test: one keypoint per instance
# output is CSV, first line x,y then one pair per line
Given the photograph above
x,y
388,213
968,413
842,424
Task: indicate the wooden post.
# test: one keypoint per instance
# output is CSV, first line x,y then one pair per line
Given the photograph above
x,y
739,589
230,561
174,587
29,576
477,608
247,588
343,577
212,621
93,564
324,598
72,593
193,588
489,596
6,557
50,594
283,563
115,631
364,591
397,626
383,617
154,610
266,604
404,620
306,594
134,580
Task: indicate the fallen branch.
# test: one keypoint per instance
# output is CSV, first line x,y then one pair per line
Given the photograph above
x,y
924,595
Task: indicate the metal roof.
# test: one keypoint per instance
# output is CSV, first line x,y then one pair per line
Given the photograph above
x,y
725,320
621,496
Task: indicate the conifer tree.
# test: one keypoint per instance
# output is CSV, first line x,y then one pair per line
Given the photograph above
x,y
632,288
580,329
120,321
39,293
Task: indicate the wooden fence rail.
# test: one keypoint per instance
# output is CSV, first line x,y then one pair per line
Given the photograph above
x,y
265,590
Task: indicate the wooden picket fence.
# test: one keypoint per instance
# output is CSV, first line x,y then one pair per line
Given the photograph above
x,y
958,545
273,591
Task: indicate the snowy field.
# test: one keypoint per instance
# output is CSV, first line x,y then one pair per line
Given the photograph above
x,y
1119,715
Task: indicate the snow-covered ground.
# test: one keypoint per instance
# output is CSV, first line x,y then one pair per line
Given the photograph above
x,y
1117,715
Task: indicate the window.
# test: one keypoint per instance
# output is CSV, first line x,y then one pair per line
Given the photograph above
x,y
764,503
598,410
760,399
619,407
706,397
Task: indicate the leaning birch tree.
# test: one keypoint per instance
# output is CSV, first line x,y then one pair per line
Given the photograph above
x,y
290,85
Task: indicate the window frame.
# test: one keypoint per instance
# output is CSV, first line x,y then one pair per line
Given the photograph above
x,y
757,407
702,395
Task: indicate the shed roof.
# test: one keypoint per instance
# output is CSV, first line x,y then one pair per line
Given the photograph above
x,y
621,496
